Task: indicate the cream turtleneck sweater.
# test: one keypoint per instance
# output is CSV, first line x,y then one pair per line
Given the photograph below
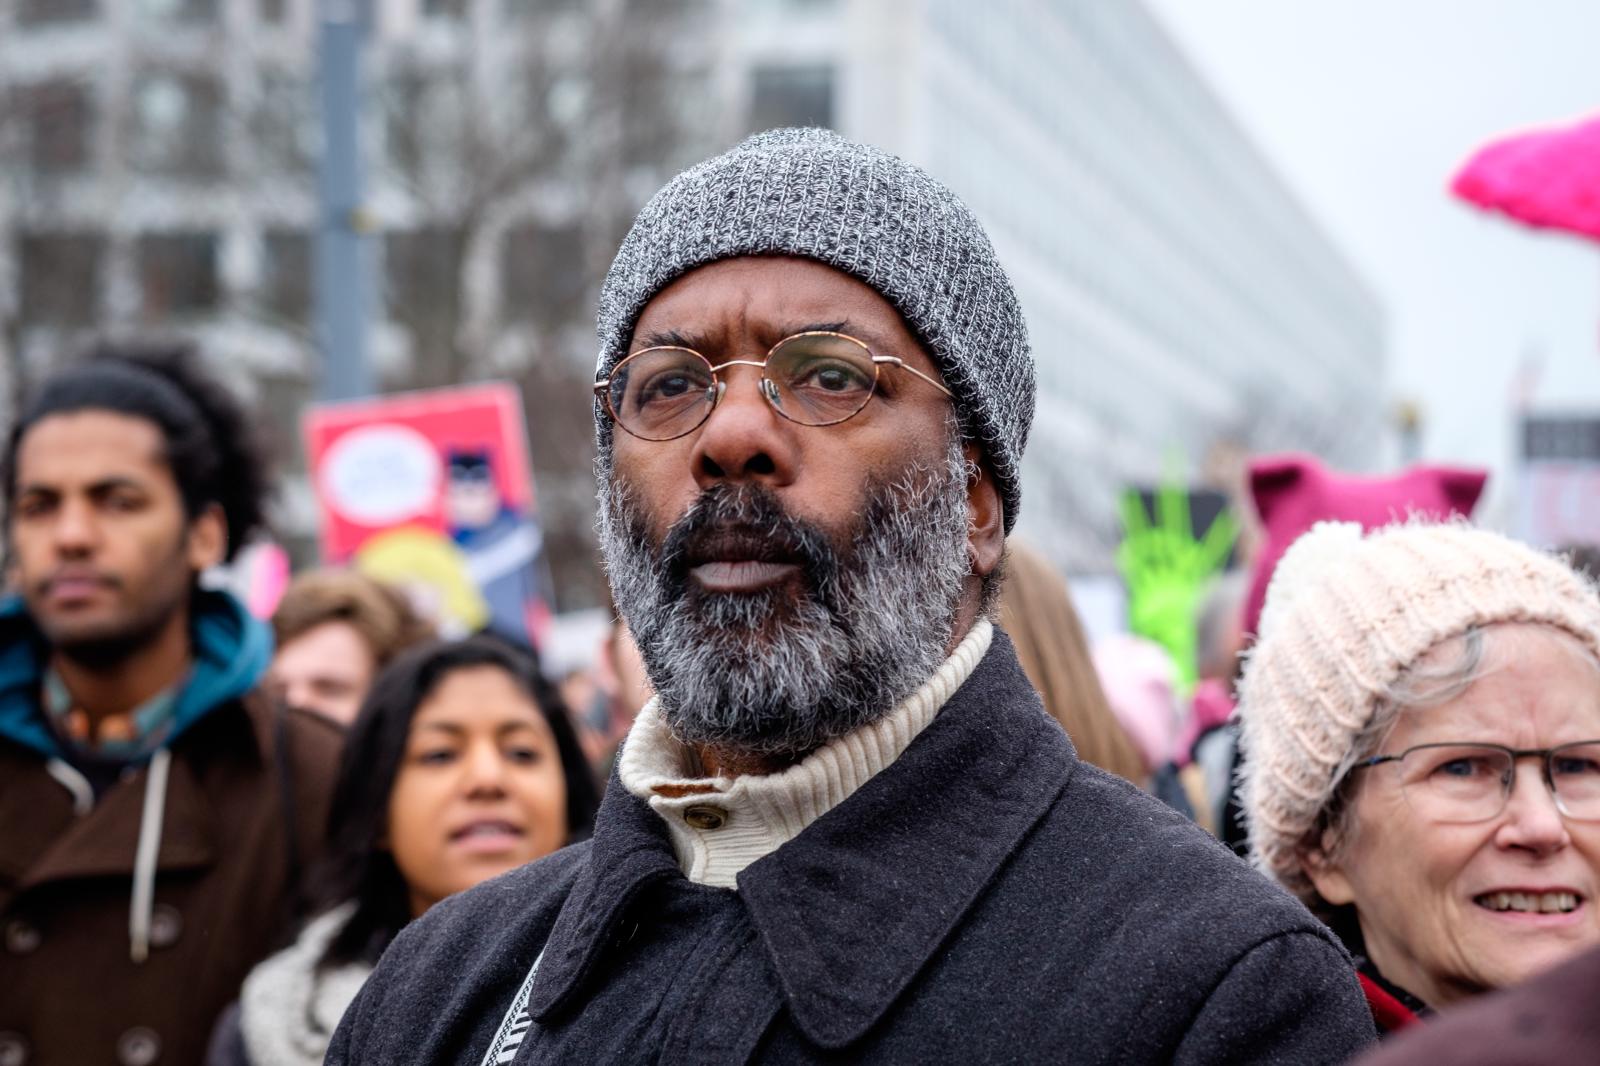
x,y
720,825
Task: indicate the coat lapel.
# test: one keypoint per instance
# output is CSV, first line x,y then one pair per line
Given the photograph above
x,y
102,843
853,908
630,851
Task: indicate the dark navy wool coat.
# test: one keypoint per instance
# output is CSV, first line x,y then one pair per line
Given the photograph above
x,y
986,898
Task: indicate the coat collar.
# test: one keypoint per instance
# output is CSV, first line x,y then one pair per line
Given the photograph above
x,y
55,848
231,653
630,851
101,843
850,910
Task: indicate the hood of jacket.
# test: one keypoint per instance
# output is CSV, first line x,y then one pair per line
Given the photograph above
x,y
231,652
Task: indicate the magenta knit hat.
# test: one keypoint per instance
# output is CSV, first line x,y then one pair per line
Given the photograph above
x,y
1294,492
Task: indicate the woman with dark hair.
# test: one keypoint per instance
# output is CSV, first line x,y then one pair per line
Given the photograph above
x,y
462,764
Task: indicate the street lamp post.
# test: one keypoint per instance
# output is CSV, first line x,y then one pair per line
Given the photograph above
x,y
344,294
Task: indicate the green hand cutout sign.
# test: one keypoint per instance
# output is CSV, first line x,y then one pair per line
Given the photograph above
x,y
1166,570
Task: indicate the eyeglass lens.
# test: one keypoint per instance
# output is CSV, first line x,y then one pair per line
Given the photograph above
x,y
1471,783
817,379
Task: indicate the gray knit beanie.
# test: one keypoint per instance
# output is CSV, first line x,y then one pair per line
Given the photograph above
x,y
811,193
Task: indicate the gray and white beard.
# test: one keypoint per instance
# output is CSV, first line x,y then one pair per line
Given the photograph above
x,y
775,672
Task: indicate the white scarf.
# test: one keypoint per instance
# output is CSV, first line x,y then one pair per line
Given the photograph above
x,y
287,1009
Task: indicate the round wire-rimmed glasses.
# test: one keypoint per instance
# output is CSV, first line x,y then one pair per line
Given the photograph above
x,y
815,378
1465,783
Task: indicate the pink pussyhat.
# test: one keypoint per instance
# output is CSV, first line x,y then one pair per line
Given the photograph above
x,y
1294,492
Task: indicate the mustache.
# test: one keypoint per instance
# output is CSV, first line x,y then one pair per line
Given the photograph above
x,y
745,523
74,573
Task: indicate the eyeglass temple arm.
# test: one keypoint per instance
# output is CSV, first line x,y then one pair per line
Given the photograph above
x,y
901,363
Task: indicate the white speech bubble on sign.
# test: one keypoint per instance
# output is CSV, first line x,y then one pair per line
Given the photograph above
x,y
381,475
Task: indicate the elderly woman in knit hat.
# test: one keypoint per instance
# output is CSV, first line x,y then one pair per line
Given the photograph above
x,y
1421,725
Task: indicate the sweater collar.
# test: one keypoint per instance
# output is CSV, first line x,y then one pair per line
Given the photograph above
x,y
880,880
721,825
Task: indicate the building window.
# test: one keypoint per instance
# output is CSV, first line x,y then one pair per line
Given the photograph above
x,y
285,123
449,9
274,12
179,10
59,275
178,273
279,403
541,274
178,125
791,96
422,283
635,10
427,118
421,267
56,115
286,274
43,12
522,9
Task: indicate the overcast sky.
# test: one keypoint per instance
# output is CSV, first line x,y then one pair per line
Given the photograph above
x,y
1367,107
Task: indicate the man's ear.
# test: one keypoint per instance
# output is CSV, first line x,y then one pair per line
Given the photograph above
x,y
1326,872
208,539
986,517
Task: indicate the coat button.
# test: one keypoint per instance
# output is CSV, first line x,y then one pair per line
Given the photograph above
x,y
22,938
166,926
705,816
138,1047
13,1049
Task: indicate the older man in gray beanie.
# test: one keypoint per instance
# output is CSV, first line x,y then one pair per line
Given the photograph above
x,y
845,829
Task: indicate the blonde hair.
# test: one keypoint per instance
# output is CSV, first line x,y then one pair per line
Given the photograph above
x,y
1036,612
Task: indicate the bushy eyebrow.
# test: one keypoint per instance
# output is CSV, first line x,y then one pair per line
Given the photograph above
x,y
97,488
843,326
671,338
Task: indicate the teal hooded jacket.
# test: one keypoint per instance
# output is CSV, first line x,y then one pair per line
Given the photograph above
x,y
231,652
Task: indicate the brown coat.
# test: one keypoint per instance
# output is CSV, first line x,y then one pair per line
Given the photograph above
x,y
69,990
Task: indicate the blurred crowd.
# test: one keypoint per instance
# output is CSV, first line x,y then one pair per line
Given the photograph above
x,y
1376,804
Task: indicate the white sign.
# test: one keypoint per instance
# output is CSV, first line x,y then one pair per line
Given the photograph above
x,y
381,475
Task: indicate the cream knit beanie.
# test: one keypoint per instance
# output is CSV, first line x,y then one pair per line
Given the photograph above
x,y
1345,615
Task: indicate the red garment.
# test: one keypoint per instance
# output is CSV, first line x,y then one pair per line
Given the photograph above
x,y
1548,1021
1388,1013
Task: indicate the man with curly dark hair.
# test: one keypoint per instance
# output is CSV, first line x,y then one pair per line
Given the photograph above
x,y
154,809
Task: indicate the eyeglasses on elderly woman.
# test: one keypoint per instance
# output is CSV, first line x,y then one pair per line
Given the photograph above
x,y
815,378
1470,782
